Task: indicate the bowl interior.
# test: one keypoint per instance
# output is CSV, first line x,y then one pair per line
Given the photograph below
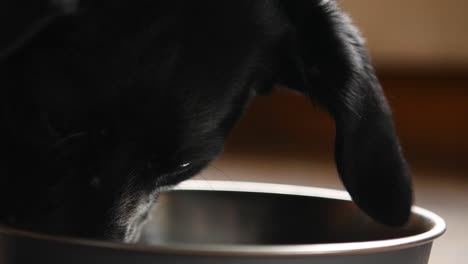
x,y
231,217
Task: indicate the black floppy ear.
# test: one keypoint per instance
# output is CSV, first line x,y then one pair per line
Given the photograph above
x,y
21,20
323,57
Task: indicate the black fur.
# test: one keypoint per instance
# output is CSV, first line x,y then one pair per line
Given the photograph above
x,y
104,107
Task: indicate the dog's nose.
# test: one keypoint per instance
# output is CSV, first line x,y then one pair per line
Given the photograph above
x,y
95,182
152,164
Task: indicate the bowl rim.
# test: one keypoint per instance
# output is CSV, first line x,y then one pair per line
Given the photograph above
x,y
326,249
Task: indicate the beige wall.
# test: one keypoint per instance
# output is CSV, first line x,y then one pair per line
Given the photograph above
x,y
414,32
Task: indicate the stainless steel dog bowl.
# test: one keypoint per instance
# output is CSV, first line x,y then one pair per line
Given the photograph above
x,y
214,222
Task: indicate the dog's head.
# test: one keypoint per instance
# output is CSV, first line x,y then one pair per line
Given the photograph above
x,y
105,108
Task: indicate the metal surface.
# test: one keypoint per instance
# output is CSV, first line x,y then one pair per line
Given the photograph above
x,y
233,222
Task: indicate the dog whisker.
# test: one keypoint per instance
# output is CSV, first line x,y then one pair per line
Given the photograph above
x,y
64,140
226,175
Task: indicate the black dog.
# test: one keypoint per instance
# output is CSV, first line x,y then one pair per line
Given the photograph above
x,y
104,106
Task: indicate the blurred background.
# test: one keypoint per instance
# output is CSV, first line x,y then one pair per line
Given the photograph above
x,y
420,50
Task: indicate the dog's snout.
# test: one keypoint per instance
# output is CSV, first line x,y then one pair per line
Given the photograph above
x,y
129,213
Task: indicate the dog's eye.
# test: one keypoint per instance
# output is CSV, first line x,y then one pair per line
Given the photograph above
x,y
184,165
182,168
